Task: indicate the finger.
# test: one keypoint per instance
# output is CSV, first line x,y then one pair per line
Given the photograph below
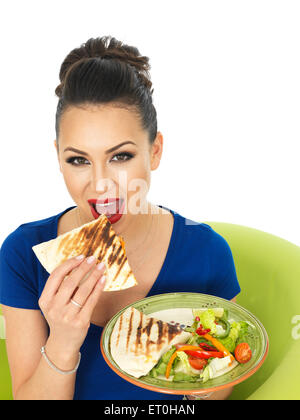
x,y
69,285
59,273
89,306
82,293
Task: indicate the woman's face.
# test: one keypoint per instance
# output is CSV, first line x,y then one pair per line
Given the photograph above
x,y
112,160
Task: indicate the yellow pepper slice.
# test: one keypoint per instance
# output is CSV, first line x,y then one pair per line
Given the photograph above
x,y
219,346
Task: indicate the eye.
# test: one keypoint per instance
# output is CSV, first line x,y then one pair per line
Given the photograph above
x,y
76,160
80,161
124,157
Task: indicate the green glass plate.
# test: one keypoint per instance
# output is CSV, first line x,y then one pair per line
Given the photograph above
x,y
258,341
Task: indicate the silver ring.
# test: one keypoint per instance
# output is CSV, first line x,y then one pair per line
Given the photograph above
x,y
76,303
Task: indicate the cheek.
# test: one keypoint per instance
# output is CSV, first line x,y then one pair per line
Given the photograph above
x,y
143,169
138,181
74,180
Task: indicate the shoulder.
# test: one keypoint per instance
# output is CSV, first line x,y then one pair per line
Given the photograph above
x,y
200,231
29,234
199,237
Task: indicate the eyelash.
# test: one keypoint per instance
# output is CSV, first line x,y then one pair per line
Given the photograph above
x,y
72,159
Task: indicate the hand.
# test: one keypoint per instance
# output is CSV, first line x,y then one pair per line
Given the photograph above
x,y
69,323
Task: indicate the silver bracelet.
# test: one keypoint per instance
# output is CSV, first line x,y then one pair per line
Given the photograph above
x,y
62,372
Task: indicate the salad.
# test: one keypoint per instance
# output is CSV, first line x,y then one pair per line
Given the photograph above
x,y
216,346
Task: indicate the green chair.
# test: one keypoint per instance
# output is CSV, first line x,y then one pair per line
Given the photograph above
x,y
5,379
268,270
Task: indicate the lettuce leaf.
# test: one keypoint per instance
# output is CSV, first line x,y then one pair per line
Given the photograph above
x,y
207,319
238,333
184,364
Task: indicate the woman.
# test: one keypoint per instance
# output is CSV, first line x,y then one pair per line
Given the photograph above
x,y
107,144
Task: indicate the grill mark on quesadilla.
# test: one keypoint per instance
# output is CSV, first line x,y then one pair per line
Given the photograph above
x,y
112,252
148,327
114,256
92,236
160,332
138,334
165,333
120,329
125,278
121,265
65,246
99,240
106,240
147,330
121,257
129,329
173,330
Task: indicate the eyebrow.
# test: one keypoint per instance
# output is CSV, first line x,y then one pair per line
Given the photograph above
x,y
72,149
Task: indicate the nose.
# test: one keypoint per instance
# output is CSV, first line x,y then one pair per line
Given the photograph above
x,y
101,181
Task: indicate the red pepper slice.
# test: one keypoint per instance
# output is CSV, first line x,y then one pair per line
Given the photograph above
x,y
201,331
207,347
204,354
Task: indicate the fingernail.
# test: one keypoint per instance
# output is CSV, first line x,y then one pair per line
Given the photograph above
x,y
80,257
90,259
100,266
103,279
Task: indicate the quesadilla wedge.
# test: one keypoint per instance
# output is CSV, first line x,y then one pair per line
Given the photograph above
x,y
138,341
94,238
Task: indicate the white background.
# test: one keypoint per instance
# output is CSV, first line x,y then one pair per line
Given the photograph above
x,y
226,89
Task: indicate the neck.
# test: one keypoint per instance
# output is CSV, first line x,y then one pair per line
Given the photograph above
x,y
139,229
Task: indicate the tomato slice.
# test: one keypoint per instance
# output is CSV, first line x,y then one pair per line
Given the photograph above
x,y
243,353
197,363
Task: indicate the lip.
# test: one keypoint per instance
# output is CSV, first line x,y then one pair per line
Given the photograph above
x,y
113,218
105,201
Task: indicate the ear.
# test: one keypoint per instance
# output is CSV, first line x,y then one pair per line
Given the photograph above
x,y
156,151
56,147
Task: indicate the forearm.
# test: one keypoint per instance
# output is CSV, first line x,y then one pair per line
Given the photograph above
x,y
48,384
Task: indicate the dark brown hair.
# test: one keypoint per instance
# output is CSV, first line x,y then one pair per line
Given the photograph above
x,y
106,71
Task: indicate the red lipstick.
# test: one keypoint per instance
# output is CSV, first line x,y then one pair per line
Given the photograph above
x,y
113,210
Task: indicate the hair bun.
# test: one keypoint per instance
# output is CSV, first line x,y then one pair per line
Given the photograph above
x,y
106,47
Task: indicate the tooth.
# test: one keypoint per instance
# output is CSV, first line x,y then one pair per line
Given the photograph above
x,y
108,208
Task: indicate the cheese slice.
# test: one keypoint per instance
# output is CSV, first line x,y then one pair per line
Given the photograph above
x,y
94,238
138,341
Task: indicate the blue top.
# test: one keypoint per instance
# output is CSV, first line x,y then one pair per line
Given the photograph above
x,y
198,260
